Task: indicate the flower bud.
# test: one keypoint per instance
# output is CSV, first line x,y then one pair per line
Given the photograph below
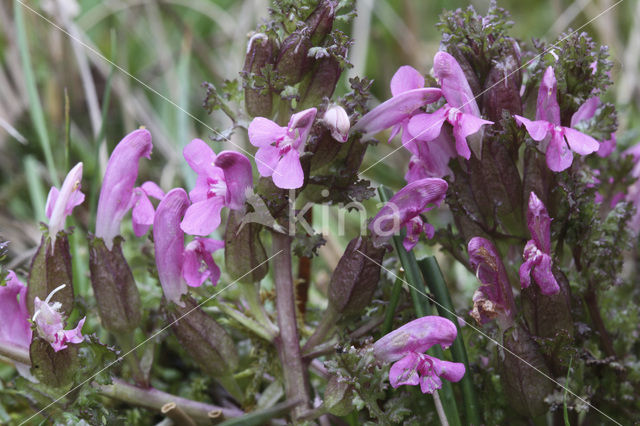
x,y
320,22
524,387
51,268
337,121
243,250
292,62
203,339
321,82
113,284
260,52
502,88
356,276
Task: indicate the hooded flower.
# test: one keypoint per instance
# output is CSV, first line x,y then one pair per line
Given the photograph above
x,y
404,209
430,160
408,94
461,109
336,120
179,267
558,141
117,193
222,181
50,323
61,203
279,148
537,252
405,347
494,299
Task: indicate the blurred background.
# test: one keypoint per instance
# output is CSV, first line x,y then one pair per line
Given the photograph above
x,y
75,77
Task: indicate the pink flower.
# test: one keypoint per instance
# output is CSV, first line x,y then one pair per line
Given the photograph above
x,y
461,109
494,299
405,347
562,139
117,193
60,204
408,94
179,267
279,148
50,323
14,327
537,252
404,209
222,181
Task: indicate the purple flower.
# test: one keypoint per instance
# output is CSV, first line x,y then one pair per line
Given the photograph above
x,y
222,181
494,299
461,109
408,94
179,267
50,323
559,141
60,204
279,148
586,112
117,193
405,347
337,121
537,252
404,209
14,327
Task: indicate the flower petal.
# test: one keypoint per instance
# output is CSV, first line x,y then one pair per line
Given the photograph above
x,y
547,104
267,159
288,173
579,142
537,129
199,156
202,218
455,87
396,109
586,111
15,327
51,201
543,275
415,336
427,127
152,190
142,213
559,156
117,186
263,132
237,175
302,121
68,197
405,370
169,243
405,79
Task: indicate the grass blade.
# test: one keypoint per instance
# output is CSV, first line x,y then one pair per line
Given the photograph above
x,y
35,106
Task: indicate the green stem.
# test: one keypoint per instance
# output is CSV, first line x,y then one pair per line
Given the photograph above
x,y
422,308
392,306
252,295
438,287
126,343
247,322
